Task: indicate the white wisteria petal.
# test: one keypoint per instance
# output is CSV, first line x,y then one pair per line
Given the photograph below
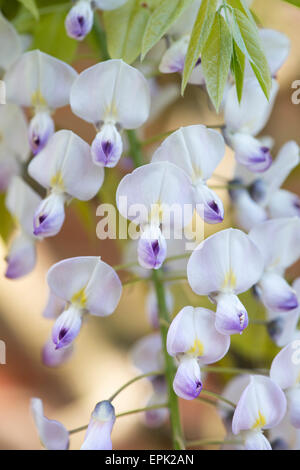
x,y
88,283
146,354
53,435
70,276
276,46
208,204
293,397
287,159
159,184
247,212
285,368
13,47
218,264
54,307
196,149
250,115
231,315
98,434
285,247
250,152
255,440
22,202
21,257
282,327
276,294
262,405
111,91
174,57
64,158
284,204
52,357
187,381
13,123
193,332
46,81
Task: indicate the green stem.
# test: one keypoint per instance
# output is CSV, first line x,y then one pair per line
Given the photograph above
x,y
135,379
218,397
126,413
211,442
135,148
170,369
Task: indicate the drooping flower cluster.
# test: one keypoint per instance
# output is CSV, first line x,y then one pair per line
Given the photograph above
x,y
161,200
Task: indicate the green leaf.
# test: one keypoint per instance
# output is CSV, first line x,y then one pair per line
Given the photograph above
x,y
216,59
238,69
250,43
49,36
200,33
125,29
163,16
32,7
293,2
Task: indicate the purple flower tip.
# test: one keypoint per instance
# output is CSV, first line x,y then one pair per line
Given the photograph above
x,y
107,146
152,248
79,21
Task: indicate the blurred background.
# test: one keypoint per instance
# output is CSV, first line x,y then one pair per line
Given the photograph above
x,y
101,362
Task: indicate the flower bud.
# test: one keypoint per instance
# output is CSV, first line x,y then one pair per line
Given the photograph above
x,y
79,21
250,152
231,315
276,294
50,215
98,435
21,258
152,248
107,146
187,382
67,327
41,128
212,204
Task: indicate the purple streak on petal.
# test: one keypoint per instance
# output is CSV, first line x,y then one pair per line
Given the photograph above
x,y
49,216
187,382
79,21
107,147
152,249
41,128
67,327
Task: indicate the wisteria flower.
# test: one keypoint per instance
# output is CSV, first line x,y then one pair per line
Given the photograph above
x,y
198,151
285,372
173,61
98,435
147,196
80,18
194,341
45,87
217,269
245,120
263,197
21,201
261,406
89,286
53,435
282,327
52,357
113,96
278,242
14,148
57,168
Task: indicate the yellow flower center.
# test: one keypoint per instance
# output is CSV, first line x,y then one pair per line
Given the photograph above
x,y
197,349
260,422
229,280
57,181
79,298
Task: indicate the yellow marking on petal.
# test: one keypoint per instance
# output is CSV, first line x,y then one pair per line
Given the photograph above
x,y
229,280
57,181
79,298
111,112
197,349
260,422
37,99
156,213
